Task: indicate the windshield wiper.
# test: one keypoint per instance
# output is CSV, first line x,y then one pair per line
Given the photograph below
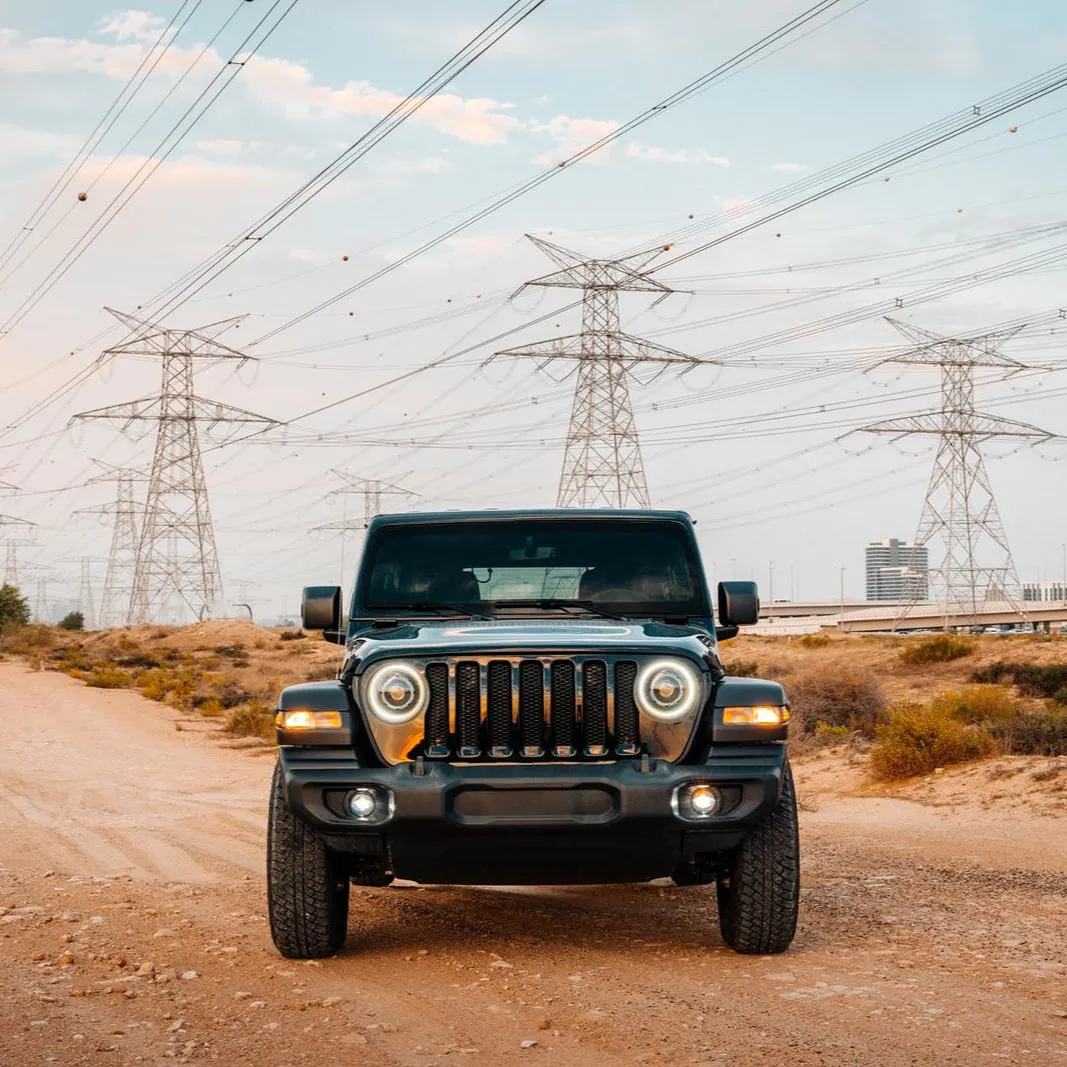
x,y
587,606
439,606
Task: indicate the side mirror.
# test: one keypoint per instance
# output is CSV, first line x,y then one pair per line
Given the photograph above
x,y
738,603
320,607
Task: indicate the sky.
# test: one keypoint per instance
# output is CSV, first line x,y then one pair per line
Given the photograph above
x,y
761,445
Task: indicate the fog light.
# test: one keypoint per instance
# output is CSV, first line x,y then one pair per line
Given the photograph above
x,y
363,804
698,800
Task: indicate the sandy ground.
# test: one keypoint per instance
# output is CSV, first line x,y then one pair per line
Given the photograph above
x,y
132,927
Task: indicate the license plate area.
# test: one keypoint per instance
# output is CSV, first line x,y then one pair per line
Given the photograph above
x,y
483,805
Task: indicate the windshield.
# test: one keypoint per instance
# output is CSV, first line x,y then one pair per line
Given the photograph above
x,y
643,568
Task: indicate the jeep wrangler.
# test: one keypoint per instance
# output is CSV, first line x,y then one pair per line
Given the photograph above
x,y
532,698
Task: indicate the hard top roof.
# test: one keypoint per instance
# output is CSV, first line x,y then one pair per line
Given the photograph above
x,y
505,515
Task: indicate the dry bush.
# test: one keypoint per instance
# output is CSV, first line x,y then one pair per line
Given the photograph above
x,y
835,699
292,635
978,704
321,673
210,709
28,640
815,640
104,676
1040,733
939,648
254,719
741,668
918,740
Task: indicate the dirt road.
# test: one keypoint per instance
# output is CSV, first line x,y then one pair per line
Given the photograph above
x,y
132,929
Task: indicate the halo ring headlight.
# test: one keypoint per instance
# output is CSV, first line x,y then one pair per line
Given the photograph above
x,y
396,693
668,690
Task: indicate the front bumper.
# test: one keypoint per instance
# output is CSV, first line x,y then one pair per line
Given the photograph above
x,y
539,824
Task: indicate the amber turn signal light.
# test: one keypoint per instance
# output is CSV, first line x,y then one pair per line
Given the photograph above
x,y
758,715
308,720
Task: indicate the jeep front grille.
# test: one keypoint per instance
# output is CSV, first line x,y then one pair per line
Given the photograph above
x,y
531,708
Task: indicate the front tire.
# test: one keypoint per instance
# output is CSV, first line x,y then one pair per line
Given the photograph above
x,y
307,889
759,892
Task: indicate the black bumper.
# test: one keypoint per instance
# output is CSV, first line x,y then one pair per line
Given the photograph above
x,y
543,824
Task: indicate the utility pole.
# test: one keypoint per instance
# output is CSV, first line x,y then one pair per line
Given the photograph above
x,y
960,511
602,463
177,559
122,556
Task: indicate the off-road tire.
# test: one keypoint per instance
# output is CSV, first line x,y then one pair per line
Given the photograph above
x,y
759,892
307,888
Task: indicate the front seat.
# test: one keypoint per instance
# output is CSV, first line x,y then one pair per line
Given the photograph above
x,y
460,587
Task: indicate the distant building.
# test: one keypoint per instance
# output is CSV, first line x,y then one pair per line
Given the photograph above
x,y
1044,591
897,570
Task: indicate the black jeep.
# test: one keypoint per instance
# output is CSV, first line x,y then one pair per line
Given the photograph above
x,y
532,698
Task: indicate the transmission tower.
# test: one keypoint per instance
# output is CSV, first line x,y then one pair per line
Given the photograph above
x,y
960,512
11,556
372,490
176,560
602,464
122,557
85,594
40,604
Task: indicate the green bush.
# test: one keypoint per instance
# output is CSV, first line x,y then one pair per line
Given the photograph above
x,y
14,610
978,704
939,648
1032,679
918,740
1042,733
837,699
73,621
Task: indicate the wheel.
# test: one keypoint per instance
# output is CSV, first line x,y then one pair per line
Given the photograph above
x,y
759,891
307,888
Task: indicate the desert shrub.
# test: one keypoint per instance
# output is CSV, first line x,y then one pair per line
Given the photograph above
x,y
28,640
939,648
137,659
978,703
253,719
837,699
323,672
918,740
74,620
742,668
824,734
1032,679
177,687
107,677
209,708
292,635
815,640
14,610
1040,733
231,695
236,651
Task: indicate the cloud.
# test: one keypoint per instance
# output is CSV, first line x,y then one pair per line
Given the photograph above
x,y
654,154
791,167
21,142
127,25
572,135
224,147
280,84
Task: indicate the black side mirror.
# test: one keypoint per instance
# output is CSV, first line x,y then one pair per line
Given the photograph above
x,y
738,603
320,607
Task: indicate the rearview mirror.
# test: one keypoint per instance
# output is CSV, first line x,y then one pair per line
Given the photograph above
x,y
738,603
320,607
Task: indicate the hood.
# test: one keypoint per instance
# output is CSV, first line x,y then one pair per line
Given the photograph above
x,y
460,637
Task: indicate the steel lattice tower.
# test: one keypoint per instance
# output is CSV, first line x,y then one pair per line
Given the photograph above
x,y
177,559
11,556
960,511
122,555
372,490
85,594
602,463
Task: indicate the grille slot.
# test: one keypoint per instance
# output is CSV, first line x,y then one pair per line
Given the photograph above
x,y
468,709
627,726
498,709
564,702
437,712
595,707
532,708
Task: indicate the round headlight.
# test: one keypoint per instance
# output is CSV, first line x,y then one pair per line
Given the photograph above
x,y
668,690
396,693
